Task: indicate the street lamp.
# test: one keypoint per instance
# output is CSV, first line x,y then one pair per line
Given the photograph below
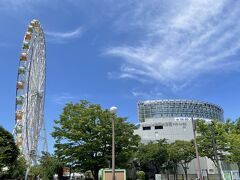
x,y
113,110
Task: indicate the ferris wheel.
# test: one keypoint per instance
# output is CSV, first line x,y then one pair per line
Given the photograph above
x,y
30,93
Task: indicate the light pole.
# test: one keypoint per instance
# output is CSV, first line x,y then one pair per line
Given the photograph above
x,y
113,110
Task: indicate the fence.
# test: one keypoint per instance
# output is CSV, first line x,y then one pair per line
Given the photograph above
x,y
190,177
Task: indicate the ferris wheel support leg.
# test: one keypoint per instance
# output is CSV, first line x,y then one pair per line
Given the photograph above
x,y
45,137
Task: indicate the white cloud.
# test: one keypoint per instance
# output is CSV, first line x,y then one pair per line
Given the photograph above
x,y
61,37
181,41
63,98
152,94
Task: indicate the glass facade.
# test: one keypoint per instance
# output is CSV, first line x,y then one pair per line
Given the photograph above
x,y
178,108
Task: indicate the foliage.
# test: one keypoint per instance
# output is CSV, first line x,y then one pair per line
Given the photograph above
x,y
234,150
35,171
174,159
18,169
211,139
159,156
140,175
182,152
233,139
237,126
8,149
83,137
153,155
213,142
49,165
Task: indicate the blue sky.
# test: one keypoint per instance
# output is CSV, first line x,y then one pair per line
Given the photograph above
x,y
118,52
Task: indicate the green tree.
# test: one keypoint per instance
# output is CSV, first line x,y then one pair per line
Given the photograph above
x,y
140,175
8,150
237,125
182,152
212,140
18,169
83,137
173,158
233,154
153,156
233,139
35,171
47,167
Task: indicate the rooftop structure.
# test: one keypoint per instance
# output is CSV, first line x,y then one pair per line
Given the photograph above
x,y
178,108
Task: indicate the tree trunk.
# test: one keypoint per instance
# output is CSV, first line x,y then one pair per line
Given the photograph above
x,y
95,173
60,173
185,168
156,168
168,174
175,172
185,172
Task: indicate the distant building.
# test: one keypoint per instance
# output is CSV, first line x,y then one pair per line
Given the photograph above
x,y
172,120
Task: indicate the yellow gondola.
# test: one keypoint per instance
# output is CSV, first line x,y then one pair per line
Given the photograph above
x,y
23,57
19,115
20,85
28,36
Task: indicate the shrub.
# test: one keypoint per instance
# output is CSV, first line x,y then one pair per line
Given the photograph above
x,y
140,175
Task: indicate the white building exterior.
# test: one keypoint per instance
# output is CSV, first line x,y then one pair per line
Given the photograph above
x,y
172,120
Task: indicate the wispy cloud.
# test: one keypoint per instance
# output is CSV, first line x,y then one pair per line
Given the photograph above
x,y
128,73
63,98
146,95
62,37
181,41
155,93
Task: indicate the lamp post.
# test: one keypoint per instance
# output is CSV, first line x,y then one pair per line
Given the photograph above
x,y
113,110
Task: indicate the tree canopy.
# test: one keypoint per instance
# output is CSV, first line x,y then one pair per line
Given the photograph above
x,y
47,167
217,140
153,156
182,152
160,157
211,139
83,135
8,149
18,169
233,140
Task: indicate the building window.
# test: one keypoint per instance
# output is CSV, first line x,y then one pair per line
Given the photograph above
x,y
147,128
158,127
